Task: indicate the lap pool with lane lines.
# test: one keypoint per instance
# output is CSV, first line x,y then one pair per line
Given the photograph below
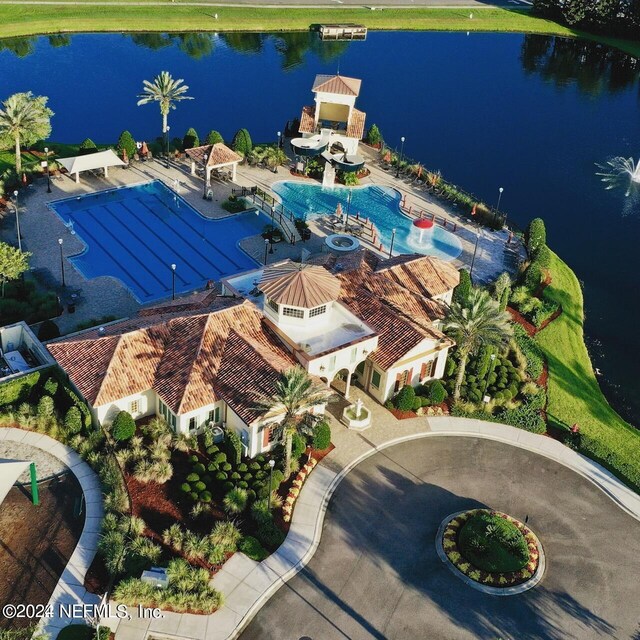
x,y
136,233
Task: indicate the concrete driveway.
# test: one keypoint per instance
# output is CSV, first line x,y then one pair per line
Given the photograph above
x,y
376,573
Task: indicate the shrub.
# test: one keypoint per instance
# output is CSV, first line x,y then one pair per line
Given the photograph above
x,y
227,486
242,142
235,476
226,535
213,137
45,407
186,487
199,468
247,477
193,477
277,478
221,476
190,139
298,446
127,143
417,403
255,466
73,421
543,257
48,331
252,548
269,535
235,501
16,391
544,311
532,276
404,399
211,449
437,392
535,236
87,146
234,448
206,496
50,386
212,466
373,137
123,427
463,288
321,436
226,466
220,458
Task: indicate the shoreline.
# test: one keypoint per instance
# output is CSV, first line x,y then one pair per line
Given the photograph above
x,y
32,19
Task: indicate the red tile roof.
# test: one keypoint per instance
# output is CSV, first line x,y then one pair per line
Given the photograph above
x,y
424,275
308,120
338,84
213,155
355,128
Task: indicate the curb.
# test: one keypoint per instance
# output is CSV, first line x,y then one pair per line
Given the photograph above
x,y
492,591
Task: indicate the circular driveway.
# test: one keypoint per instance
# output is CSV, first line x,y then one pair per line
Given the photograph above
x,y
376,573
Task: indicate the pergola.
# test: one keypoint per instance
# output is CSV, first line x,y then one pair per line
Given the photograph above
x,y
91,161
213,156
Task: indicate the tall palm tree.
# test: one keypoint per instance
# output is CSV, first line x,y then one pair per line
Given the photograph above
x,y
295,395
24,119
473,323
165,91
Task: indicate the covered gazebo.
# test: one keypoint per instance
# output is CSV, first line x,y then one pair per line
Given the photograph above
x,y
10,471
91,162
213,156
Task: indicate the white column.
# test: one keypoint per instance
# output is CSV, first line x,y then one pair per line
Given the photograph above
x,y
77,177
347,385
233,171
106,172
193,168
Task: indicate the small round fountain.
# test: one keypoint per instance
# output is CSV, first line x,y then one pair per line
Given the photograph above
x,y
356,416
618,170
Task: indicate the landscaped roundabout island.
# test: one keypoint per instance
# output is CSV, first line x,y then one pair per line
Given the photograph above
x,y
491,550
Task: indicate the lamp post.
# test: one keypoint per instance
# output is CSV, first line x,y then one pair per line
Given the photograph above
x,y
46,150
266,248
64,284
173,281
401,155
346,221
475,250
393,237
166,144
15,197
272,463
279,140
500,190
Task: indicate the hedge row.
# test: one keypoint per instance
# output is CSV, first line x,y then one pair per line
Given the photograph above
x,y
531,351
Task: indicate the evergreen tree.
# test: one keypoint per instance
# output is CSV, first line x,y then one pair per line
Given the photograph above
x,y
190,139
242,142
127,143
213,137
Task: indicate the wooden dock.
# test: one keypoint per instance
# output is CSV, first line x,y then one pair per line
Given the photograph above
x,y
342,32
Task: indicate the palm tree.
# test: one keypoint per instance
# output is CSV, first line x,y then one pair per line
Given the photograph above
x,y
165,91
295,395
473,323
24,119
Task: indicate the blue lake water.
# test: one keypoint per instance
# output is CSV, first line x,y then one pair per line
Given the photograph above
x,y
531,114
136,233
380,204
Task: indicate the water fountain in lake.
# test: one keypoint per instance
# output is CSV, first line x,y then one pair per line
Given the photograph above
x,y
619,170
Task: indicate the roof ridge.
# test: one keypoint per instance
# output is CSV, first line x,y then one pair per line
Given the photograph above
x,y
111,364
194,361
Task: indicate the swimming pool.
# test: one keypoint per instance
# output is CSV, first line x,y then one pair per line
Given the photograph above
x,y
136,233
379,204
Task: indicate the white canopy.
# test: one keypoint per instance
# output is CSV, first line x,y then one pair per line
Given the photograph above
x,y
91,161
10,471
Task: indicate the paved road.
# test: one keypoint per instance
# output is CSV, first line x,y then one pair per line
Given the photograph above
x,y
376,573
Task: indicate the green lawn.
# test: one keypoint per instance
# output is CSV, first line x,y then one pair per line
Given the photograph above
x,y
20,20
574,393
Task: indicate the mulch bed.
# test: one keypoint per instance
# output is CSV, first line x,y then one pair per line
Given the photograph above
x,y
404,415
37,542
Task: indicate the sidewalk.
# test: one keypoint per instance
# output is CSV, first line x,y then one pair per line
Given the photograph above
x,y
70,588
247,585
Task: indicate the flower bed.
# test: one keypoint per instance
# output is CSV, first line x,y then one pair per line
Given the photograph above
x,y
296,486
452,550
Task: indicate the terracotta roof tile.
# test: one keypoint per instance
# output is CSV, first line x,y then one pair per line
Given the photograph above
x,y
355,128
308,120
425,275
213,155
338,84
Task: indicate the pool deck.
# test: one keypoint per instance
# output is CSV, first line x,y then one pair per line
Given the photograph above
x,y
107,296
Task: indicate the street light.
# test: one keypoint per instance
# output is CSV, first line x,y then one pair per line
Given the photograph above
x,y
272,463
393,237
166,144
173,281
279,140
346,222
46,150
500,190
266,248
15,196
475,250
64,284
401,154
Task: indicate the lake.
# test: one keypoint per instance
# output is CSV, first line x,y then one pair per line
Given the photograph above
x,y
531,114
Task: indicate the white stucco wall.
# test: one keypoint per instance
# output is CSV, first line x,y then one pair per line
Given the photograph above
x,y
147,401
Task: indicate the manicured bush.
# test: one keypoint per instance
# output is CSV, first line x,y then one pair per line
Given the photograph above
x,y
417,403
87,146
48,331
126,143
226,466
73,421
199,468
16,391
321,436
50,386
252,548
212,466
260,459
463,288
194,458
235,501
206,496
544,311
220,458
45,407
269,535
242,468
193,477
199,486
437,392
221,476
227,486
213,137
277,478
532,276
298,446
242,142
234,448
254,466
247,477
123,427
212,449
535,236
404,399
242,484
190,139
186,487
373,137
235,476
543,257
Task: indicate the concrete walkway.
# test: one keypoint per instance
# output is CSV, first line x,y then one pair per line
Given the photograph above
x,y
248,585
70,588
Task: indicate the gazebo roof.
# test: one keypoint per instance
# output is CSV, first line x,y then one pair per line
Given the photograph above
x,y
299,285
10,471
337,84
213,155
90,161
